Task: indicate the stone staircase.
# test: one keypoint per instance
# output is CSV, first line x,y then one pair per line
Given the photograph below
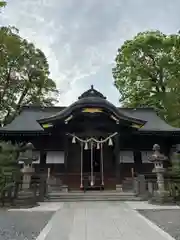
x,y
55,196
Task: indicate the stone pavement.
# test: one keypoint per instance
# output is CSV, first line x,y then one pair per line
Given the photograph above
x,y
100,221
44,207
22,225
140,205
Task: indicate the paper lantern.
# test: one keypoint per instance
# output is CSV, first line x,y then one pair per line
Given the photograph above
x,y
86,146
74,139
110,143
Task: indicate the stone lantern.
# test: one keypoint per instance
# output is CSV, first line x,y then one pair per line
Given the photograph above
x,y
26,156
161,195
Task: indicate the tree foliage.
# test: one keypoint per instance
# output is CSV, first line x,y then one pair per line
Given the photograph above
x,y
175,168
24,75
8,157
2,4
147,73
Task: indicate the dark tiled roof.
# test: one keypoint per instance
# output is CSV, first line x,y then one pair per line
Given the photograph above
x,y
27,120
153,121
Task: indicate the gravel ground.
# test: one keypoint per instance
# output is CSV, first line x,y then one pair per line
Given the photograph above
x,y
168,220
22,225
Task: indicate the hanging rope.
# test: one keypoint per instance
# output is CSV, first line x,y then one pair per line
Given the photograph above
x,y
102,166
92,182
92,139
81,186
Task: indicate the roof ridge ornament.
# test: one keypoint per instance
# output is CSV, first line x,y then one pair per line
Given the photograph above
x,y
92,92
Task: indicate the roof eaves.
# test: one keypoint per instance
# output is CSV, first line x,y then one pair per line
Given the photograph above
x,y
159,130
67,111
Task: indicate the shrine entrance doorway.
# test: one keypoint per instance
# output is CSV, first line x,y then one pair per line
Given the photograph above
x,y
93,174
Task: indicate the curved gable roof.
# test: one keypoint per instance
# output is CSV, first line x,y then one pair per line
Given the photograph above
x,y
92,98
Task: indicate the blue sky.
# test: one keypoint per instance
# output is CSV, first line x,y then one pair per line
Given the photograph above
x,y
80,37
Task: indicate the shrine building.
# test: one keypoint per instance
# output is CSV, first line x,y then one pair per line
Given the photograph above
x,y
91,139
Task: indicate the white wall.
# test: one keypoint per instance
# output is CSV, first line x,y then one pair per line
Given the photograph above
x,y
126,157
145,156
55,157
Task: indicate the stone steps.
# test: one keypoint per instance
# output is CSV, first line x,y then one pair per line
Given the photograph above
x,y
92,196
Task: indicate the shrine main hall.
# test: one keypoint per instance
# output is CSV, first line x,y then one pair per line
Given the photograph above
x,y
92,139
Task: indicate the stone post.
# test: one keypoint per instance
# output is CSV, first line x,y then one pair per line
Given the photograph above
x,y
141,184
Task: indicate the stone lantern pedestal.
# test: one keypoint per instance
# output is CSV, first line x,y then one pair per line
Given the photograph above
x,y
160,195
27,171
27,196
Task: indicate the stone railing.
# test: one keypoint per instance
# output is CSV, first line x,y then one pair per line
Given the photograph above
x,y
147,186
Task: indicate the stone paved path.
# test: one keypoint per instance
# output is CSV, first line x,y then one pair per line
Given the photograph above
x,y
22,225
100,221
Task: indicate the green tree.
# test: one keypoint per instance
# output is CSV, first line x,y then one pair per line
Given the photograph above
x,y
147,73
175,168
9,168
8,157
24,75
2,4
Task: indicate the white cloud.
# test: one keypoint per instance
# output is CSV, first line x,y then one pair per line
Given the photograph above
x,y
80,37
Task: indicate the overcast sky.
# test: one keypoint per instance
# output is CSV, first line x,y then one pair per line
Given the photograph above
x,y
80,37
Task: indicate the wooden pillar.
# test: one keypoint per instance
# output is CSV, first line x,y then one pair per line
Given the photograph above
x,y
42,161
138,165
42,169
117,159
42,164
66,159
